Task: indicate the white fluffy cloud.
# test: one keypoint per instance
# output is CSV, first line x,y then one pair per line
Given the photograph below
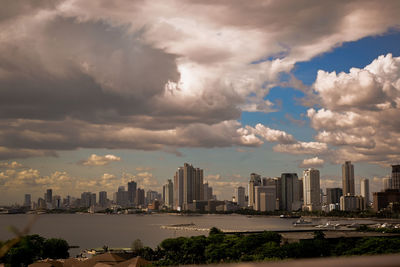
x,y
95,160
360,111
312,162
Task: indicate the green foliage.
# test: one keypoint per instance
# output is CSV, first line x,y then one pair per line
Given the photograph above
x,y
55,248
34,247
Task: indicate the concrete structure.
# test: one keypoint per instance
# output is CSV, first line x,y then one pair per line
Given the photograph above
x,y
395,176
140,198
27,200
121,197
169,194
290,192
208,192
178,189
48,196
351,203
348,178
311,190
333,195
265,198
103,199
240,196
255,180
188,182
383,199
364,184
387,183
132,187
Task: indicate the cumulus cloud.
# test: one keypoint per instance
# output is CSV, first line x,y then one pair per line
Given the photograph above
x,y
95,160
360,111
312,162
299,148
11,165
145,75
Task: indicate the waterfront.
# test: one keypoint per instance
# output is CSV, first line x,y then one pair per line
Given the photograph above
x,y
96,230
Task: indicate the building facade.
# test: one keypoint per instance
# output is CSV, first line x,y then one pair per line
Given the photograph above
x,y
311,190
348,178
364,184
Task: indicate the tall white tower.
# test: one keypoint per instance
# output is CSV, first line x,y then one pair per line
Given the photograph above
x,y
311,190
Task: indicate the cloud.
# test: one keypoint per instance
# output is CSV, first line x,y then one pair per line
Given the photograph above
x,y
312,162
11,165
300,148
144,75
359,112
95,160
272,135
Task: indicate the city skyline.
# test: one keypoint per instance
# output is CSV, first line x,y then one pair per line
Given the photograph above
x,y
93,95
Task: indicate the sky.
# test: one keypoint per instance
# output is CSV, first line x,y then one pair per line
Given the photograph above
x,y
94,94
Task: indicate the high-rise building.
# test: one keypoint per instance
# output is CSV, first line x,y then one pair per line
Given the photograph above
x,y
208,192
103,199
311,190
86,198
198,184
364,183
333,195
387,183
169,194
351,203
395,176
27,200
178,189
348,178
93,199
255,180
132,186
290,192
121,197
140,198
49,196
188,186
150,196
265,198
240,196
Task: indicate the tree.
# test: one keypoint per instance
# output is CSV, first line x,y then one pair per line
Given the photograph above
x,y
137,245
55,248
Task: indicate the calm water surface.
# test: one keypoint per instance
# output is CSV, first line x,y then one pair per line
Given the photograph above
x,y
96,230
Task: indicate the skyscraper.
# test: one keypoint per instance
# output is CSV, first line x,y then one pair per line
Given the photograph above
x,y
140,197
255,180
311,190
395,176
333,195
290,191
178,189
103,199
240,196
169,194
265,198
387,183
132,186
364,183
348,178
49,196
27,200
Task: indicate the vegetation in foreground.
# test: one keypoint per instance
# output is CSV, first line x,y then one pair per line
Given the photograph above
x,y
31,248
219,247
216,248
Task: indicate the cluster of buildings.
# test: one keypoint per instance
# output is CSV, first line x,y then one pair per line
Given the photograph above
x,y
291,193
188,191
